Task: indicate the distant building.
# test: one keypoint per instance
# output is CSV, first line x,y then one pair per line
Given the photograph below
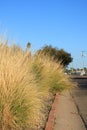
x,y
82,73
78,72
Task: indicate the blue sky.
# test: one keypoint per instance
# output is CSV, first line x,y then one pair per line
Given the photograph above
x,y
60,23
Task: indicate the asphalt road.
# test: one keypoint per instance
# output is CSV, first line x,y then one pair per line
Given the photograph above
x,y
80,97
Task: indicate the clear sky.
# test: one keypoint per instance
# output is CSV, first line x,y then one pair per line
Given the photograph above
x,y
60,23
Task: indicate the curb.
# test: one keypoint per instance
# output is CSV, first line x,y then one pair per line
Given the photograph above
x,y
50,122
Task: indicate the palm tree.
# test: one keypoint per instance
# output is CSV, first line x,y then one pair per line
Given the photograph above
x,y
28,45
28,49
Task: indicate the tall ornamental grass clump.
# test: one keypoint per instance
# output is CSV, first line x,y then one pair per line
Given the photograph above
x,y
51,74
20,102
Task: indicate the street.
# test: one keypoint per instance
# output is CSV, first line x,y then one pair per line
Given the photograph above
x,y
80,97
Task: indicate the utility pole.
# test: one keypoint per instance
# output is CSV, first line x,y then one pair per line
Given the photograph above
x,y
83,56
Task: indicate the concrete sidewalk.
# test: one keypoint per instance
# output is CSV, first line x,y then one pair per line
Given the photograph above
x,y
67,116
